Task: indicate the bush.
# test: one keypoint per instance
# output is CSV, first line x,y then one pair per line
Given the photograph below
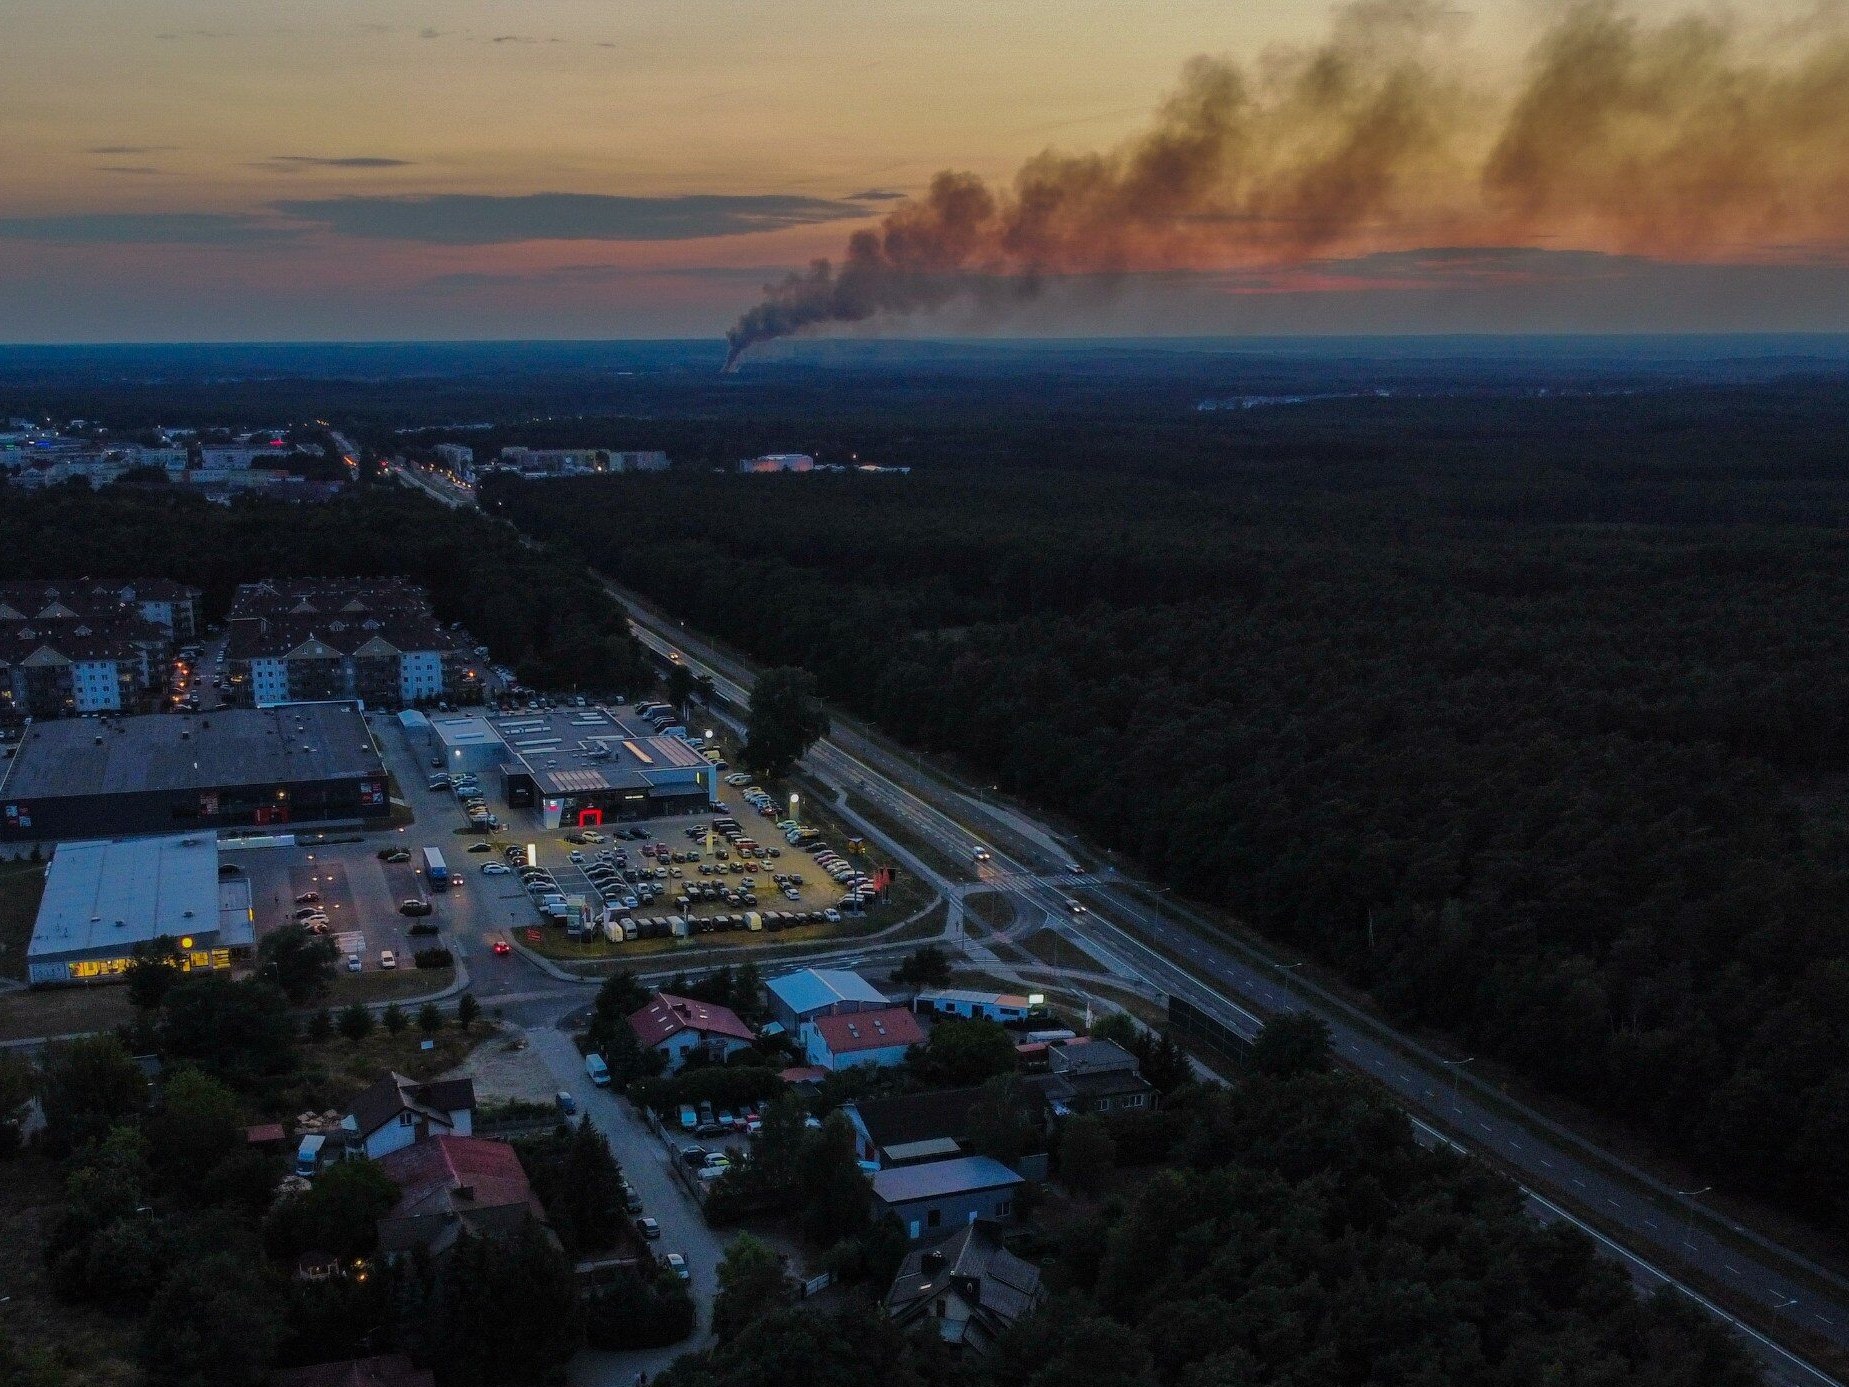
x,y
636,1313
433,958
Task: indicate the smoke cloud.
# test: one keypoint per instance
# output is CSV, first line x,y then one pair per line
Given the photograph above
x,y
1683,140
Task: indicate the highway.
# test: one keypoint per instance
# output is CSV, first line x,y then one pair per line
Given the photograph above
x,y
1658,1236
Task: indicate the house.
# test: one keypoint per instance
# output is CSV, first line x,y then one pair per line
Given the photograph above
x,y
967,1005
931,1199
397,1112
452,1185
907,1128
1095,1076
811,992
385,1370
862,1037
675,1027
969,1287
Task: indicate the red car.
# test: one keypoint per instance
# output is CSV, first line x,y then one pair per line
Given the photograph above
x,y
501,946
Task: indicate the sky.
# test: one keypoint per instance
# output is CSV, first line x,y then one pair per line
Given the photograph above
x,y
404,169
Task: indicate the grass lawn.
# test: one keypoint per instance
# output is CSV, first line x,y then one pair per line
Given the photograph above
x,y
379,985
62,1011
22,884
350,1067
1059,952
991,908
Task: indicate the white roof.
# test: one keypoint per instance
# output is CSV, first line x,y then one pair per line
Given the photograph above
x,y
812,989
110,895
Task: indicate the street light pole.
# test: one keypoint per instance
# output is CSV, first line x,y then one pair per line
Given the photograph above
x,y
1454,1066
1688,1224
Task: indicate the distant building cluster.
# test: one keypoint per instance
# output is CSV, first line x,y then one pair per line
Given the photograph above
x,y
373,639
573,462
802,462
89,645
32,456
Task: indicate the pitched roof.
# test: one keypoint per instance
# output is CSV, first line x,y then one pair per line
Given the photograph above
x,y
868,1030
811,989
907,1183
393,1094
1006,1286
1088,1055
667,1015
448,1175
904,1118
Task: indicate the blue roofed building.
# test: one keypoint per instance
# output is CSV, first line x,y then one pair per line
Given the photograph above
x,y
940,1197
802,996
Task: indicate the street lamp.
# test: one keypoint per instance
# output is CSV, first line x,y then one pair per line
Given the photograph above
x,y
793,799
1688,1225
1454,1066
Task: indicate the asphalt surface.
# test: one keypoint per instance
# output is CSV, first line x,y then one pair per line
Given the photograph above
x,y
1650,1234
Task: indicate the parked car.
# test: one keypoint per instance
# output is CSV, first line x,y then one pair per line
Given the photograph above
x,y
480,847
415,907
353,963
496,869
394,854
678,1265
308,898
387,959
648,1228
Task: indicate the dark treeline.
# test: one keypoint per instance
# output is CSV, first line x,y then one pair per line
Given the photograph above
x,y
1546,755
1293,1234
531,605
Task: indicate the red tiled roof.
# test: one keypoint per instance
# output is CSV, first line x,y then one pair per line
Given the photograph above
x,y
868,1030
803,1074
429,1174
264,1134
668,1015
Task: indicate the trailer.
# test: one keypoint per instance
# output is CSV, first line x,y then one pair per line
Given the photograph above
x,y
436,870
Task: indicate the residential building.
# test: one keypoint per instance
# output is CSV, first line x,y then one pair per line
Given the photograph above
x,y
676,1027
451,1185
371,639
865,1037
88,645
397,1112
567,462
936,1198
810,992
1096,1076
457,457
969,1288
906,1128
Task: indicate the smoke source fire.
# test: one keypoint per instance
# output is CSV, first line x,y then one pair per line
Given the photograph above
x,y
1678,140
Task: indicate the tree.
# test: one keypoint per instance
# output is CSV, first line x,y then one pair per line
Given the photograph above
x,y
199,1122
838,1192
927,966
394,1019
1087,1154
237,1030
213,1323
1163,1062
961,1053
298,961
681,685
467,1010
785,719
88,1085
1118,1028
1001,1120
505,1313
580,1184
153,967
1295,1043
752,1284
429,1019
338,1214
633,1313
18,1083
355,1022
320,1026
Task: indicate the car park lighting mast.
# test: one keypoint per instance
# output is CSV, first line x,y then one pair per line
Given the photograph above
x,y
532,854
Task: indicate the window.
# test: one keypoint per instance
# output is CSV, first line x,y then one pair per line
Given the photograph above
x,y
404,1119
1004,1208
933,1218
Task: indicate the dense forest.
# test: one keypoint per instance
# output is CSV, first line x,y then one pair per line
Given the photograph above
x,y
532,605
1528,715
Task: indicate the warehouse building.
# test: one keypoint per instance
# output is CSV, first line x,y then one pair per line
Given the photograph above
x,y
104,898
161,773
467,743
583,767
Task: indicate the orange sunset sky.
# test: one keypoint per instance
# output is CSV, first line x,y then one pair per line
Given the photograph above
x,y
203,169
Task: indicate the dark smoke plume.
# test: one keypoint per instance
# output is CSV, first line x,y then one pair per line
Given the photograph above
x,y
1669,140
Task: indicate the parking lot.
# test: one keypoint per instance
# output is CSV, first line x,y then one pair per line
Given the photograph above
x,y
345,887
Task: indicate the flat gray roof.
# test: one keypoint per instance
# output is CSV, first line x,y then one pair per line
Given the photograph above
x,y
575,751
289,744
104,896
938,1179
